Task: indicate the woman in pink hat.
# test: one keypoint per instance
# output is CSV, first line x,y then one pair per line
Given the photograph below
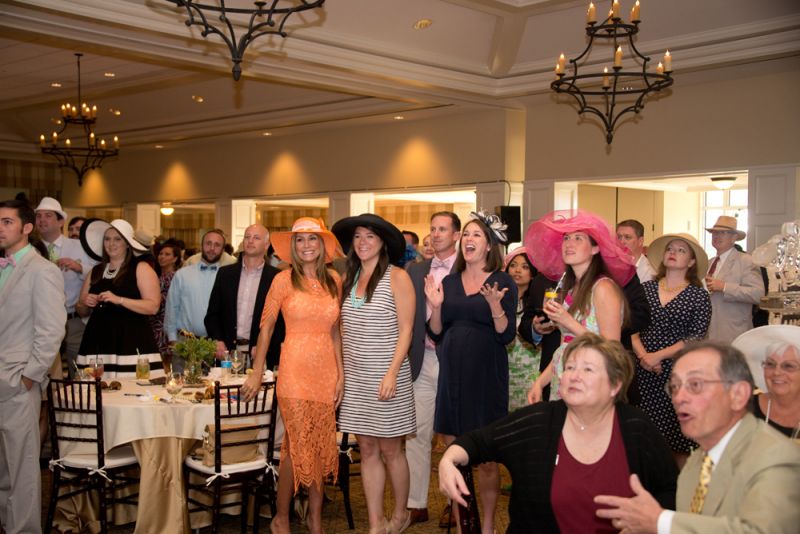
x,y
311,377
578,250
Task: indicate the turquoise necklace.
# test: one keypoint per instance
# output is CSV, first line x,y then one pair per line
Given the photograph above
x,y
355,301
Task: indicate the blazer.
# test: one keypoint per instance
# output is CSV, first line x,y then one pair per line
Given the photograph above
x,y
32,323
220,318
732,309
755,487
416,353
526,442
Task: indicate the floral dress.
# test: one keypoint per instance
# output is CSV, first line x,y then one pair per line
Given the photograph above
x,y
523,366
157,320
308,375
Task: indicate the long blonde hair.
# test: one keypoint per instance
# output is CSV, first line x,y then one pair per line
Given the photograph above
x,y
324,275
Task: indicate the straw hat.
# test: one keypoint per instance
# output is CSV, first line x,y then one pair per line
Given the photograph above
x,y
513,254
282,241
655,252
93,231
755,343
726,223
391,236
51,204
144,237
543,243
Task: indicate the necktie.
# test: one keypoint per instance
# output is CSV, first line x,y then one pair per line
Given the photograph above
x,y
52,255
5,262
438,264
713,266
204,267
702,485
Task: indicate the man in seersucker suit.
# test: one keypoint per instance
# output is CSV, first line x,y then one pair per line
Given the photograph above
x,y
745,477
32,324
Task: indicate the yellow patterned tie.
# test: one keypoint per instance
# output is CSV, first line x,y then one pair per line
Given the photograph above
x,y
702,485
52,255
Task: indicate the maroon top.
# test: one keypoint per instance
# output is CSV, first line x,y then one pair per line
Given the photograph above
x,y
575,485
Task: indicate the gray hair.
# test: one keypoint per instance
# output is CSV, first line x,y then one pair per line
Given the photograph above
x,y
732,363
779,347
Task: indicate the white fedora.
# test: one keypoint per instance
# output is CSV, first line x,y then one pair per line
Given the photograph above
x,y
93,231
51,204
755,343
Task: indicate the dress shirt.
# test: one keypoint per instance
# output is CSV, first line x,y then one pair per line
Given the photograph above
x,y
645,269
715,453
246,299
439,269
187,300
18,255
722,257
64,247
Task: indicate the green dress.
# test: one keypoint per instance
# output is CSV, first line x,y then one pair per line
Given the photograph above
x,y
523,367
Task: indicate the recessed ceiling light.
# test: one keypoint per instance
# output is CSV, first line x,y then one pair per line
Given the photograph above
x,y
421,24
109,74
266,134
55,85
197,98
398,117
158,146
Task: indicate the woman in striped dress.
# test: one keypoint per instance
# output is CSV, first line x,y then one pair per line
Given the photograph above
x,y
377,320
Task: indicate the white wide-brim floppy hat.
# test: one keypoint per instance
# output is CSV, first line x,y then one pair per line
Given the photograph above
x,y
93,231
755,343
51,204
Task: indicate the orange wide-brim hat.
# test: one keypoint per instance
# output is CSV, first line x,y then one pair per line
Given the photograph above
x,y
282,241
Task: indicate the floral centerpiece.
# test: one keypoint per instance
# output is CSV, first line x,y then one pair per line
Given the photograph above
x,y
196,352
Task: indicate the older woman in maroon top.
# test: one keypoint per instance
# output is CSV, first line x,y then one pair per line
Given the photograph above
x,y
562,454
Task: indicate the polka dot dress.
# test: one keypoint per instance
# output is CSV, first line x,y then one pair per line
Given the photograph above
x,y
686,317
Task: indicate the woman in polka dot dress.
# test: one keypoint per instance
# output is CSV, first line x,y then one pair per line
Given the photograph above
x,y
680,311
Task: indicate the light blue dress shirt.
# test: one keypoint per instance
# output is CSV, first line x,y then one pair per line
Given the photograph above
x,y
5,274
187,300
73,282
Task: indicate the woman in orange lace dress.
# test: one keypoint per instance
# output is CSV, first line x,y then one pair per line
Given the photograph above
x,y
311,375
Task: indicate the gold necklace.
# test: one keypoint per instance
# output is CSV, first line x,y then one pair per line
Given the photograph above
x,y
663,285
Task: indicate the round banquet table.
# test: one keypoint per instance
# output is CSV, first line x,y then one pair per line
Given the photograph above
x,y
162,435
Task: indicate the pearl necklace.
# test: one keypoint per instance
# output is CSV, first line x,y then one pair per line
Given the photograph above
x,y
109,273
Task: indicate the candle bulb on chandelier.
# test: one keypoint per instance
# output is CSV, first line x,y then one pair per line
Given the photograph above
x,y
618,57
606,81
559,69
591,14
74,111
55,138
615,9
41,140
635,12
94,112
667,62
92,139
68,143
561,61
64,109
116,142
659,68
103,144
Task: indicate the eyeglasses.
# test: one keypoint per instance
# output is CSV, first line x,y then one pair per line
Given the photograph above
x,y
694,386
786,367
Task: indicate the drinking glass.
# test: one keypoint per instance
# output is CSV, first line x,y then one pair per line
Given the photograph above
x,y
174,385
237,361
142,368
95,369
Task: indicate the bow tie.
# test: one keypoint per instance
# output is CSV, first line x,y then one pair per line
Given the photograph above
x,y
204,267
439,264
5,262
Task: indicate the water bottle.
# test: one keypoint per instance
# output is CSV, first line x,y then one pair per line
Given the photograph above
x,y
226,364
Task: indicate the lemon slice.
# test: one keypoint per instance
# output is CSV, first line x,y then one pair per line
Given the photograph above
x,y
249,372
550,294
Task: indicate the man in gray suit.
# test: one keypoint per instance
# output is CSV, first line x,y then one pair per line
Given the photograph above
x,y
445,231
733,281
745,477
31,330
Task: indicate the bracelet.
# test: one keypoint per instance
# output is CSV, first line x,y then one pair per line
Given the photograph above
x,y
502,314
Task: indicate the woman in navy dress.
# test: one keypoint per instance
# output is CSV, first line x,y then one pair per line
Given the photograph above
x,y
473,319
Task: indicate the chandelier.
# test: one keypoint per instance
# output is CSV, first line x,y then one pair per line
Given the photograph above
x,y
266,18
86,152
611,94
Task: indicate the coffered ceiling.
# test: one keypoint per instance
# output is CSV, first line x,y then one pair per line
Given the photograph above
x,y
353,61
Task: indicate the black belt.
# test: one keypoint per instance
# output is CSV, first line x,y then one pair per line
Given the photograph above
x,y
72,315
240,342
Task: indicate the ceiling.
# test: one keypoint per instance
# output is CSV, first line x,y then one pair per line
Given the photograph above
x,y
351,62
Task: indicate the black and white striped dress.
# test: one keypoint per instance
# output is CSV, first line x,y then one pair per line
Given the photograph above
x,y
369,338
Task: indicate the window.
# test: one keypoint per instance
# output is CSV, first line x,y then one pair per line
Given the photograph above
x,y
715,203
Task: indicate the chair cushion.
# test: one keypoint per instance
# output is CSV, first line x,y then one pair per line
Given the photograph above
x,y
232,455
257,464
116,457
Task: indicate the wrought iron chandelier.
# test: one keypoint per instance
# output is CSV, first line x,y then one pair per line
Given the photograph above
x,y
611,94
266,18
86,152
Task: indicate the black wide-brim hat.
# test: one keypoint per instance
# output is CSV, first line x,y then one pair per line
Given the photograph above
x,y
392,237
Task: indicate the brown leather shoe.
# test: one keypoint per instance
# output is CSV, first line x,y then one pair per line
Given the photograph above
x,y
418,515
446,518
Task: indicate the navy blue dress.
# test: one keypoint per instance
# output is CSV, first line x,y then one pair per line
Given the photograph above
x,y
473,362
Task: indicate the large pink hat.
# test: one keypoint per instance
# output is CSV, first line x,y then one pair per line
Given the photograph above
x,y
543,243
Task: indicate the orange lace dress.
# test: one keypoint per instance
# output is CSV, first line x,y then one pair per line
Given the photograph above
x,y
307,377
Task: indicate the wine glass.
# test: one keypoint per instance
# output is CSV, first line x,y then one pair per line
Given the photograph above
x,y
174,385
96,367
237,361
